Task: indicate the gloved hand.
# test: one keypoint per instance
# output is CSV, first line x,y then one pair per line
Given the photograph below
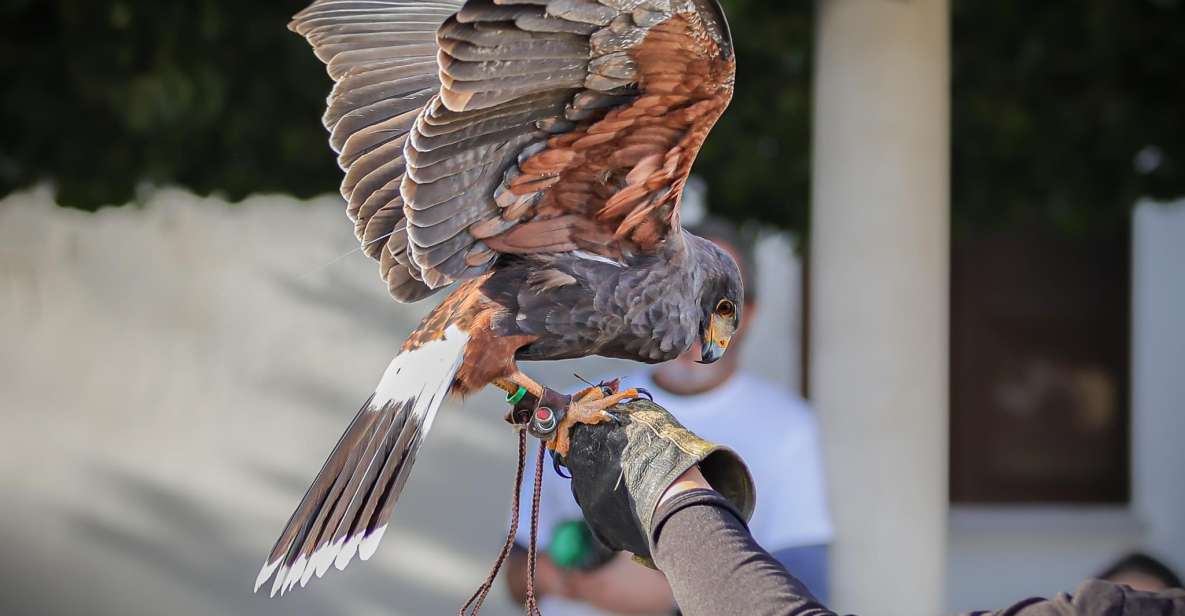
x,y
620,471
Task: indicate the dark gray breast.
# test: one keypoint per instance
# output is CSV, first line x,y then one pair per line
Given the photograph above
x,y
578,304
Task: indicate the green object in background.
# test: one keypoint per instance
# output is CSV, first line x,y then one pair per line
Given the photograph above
x,y
574,547
570,543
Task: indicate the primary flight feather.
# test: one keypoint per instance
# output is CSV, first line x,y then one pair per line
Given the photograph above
x,y
535,153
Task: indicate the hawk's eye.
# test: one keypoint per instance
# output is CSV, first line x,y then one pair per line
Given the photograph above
x,y
726,308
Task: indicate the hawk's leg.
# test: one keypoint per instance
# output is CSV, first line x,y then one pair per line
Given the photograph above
x,y
588,406
518,379
511,384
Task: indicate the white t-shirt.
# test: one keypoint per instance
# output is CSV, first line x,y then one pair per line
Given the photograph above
x,y
773,430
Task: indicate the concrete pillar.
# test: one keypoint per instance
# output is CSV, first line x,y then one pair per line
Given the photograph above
x,y
879,300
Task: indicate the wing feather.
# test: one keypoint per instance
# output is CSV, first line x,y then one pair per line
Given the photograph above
x,y
382,58
470,129
601,107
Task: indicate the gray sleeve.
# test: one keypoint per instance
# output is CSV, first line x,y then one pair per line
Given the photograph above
x,y
715,567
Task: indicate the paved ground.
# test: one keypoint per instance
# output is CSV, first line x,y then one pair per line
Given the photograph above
x,y
171,377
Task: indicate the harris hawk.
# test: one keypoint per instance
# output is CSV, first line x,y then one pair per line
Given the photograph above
x,y
534,153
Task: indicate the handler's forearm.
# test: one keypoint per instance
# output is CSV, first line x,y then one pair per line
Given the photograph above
x,y
715,567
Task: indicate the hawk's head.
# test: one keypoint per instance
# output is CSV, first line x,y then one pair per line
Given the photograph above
x,y
721,295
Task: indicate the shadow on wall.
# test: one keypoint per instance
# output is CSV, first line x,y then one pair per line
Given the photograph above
x,y
177,374
174,376
180,538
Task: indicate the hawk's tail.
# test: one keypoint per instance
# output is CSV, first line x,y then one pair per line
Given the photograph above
x,y
346,509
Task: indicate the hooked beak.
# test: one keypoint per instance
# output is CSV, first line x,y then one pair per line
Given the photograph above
x,y
716,338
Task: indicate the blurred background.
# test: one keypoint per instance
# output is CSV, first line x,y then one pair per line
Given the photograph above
x,y
972,253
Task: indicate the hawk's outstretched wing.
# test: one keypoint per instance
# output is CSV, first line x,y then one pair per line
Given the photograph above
x,y
382,58
521,126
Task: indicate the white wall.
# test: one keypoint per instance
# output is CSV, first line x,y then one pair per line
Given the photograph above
x,y
1003,554
172,376
1158,377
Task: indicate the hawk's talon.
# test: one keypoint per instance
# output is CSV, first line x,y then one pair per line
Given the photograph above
x,y
557,464
643,393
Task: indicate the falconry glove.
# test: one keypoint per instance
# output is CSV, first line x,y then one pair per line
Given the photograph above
x,y
621,469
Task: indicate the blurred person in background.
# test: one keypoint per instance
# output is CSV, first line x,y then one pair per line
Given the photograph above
x,y
775,432
1140,571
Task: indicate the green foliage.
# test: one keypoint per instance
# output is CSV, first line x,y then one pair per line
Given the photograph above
x,y
1066,111
757,160
216,95
1063,110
